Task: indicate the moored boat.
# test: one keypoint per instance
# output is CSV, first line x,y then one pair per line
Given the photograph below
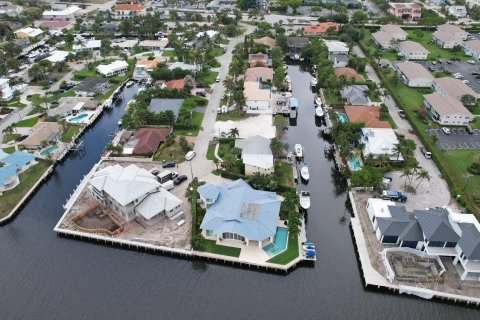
x,y
298,150
313,82
304,172
319,112
305,199
317,102
129,83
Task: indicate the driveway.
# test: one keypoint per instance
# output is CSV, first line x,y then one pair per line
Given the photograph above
x,y
458,139
464,68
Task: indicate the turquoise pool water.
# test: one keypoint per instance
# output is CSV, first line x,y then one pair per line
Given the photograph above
x,y
354,163
78,118
48,151
343,117
279,242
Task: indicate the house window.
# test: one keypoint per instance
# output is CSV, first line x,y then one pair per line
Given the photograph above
x,y
209,233
436,244
450,245
233,236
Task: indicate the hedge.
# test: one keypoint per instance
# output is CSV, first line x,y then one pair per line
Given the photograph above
x,y
194,206
232,176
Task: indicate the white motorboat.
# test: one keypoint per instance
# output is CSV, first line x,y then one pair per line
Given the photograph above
x,y
317,102
305,199
296,57
119,122
313,82
319,112
129,83
304,172
298,150
287,79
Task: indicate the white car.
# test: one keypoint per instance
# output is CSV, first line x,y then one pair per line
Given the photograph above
x,y
190,155
457,75
446,130
466,81
471,61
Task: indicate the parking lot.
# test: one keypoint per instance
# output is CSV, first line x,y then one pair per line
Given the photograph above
x,y
458,139
463,68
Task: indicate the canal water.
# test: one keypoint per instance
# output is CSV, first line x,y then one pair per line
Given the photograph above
x,y
43,276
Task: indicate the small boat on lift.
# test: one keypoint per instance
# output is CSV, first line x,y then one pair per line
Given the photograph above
x,y
317,102
307,246
319,112
298,150
304,172
296,57
305,199
313,82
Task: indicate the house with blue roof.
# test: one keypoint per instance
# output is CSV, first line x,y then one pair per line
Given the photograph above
x,y
11,165
236,211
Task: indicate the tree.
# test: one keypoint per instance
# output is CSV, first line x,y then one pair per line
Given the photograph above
x,y
184,145
262,181
277,57
216,162
359,17
279,77
468,100
234,133
198,242
406,172
228,161
422,175
277,147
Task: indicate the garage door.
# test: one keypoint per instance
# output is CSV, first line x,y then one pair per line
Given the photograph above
x,y
409,244
389,239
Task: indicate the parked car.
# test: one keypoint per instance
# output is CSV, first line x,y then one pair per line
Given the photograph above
x,y
200,85
471,61
426,153
394,195
190,155
446,130
168,185
168,164
154,171
179,179
401,113
469,129
201,94
466,81
431,69
217,79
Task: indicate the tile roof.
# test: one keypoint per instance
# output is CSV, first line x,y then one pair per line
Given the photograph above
x,y
175,84
42,131
253,92
242,210
368,115
253,74
54,24
436,225
411,46
322,27
149,139
266,41
129,7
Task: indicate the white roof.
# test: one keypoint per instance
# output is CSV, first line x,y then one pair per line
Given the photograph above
x,y
78,106
57,56
380,207
264,161
65,12
380,141
112,67
157,202
125,44
162,43
336,46
89,44
124,185
210,33
30,32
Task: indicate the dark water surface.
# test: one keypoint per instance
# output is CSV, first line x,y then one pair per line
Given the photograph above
x,y
43,276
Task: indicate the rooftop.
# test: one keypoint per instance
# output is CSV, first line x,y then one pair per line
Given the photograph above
x,y
42,131
266,41
322,27
445,104
413,70
253,74
454,87
411,47
473,45
349,73
12,163
451,28
445,36
129,7
436,225
393,28
155,202
158,105
366,114
382,37
149,139
253,91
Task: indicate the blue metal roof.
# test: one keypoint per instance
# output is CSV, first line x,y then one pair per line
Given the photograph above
x,y
12,163
293,102
240,209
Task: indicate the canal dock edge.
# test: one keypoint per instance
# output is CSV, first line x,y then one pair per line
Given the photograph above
x,y
372,278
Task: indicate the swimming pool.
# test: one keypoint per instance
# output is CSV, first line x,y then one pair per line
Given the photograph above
x,y
48,151
342,117
279,242
354,163
79,118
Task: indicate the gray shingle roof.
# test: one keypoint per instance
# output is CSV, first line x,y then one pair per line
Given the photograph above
x,y
401,224
470,241
254,145
355,95
158,105
436,225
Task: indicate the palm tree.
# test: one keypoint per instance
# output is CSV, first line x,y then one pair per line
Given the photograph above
x,y
277,147
228,161
229,84
406,172
216,162
422,175
234,132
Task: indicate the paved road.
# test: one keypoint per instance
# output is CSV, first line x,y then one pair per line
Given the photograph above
x,y
433,192
201,166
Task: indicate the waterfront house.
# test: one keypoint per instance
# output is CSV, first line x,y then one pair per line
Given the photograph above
x,y
132,192
349,73
145,141
472,48
355,95
266,41
112,69
296,44
28,33
259,74
407,11
336,47
321,28
126,44
411,50
259,59
452,87
91,86
257,97
468,248
454,30
447,110
67,105
8,92
414,74
55,27
380,141
42,133
339,60
154,45
256,154
369,115
457,11
384,40
144,67
128,10
12,166
445,40
236,211
58,56
395,31
158,105
87,45
69,13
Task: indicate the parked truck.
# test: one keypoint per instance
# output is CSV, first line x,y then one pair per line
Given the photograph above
x,y
394,195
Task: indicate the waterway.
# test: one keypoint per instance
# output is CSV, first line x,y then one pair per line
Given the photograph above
x,y
43,276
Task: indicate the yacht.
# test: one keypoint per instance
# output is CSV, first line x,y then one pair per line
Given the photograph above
x,y
305,199
304,172
298,150
129,83
319,112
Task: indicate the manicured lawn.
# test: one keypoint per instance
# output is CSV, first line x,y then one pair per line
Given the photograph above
x,y
27,123
27,179
208,77
288,255
212,247
172,153
56,97
436,52
15,103
9,150
332,97
35,99
217,52
197,122
11,137
211,152
284,174
106,95
69,133
168,53
87,73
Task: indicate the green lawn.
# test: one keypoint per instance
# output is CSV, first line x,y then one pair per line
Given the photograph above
x,y
211,152
225,148
69,133
288,255
56,97
15,103
284,174
168,53
27,123
11,137
106,95
436,53
27,179
9,150
212,247
217,52
207,78
332,98
172,153
197,122
35,99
